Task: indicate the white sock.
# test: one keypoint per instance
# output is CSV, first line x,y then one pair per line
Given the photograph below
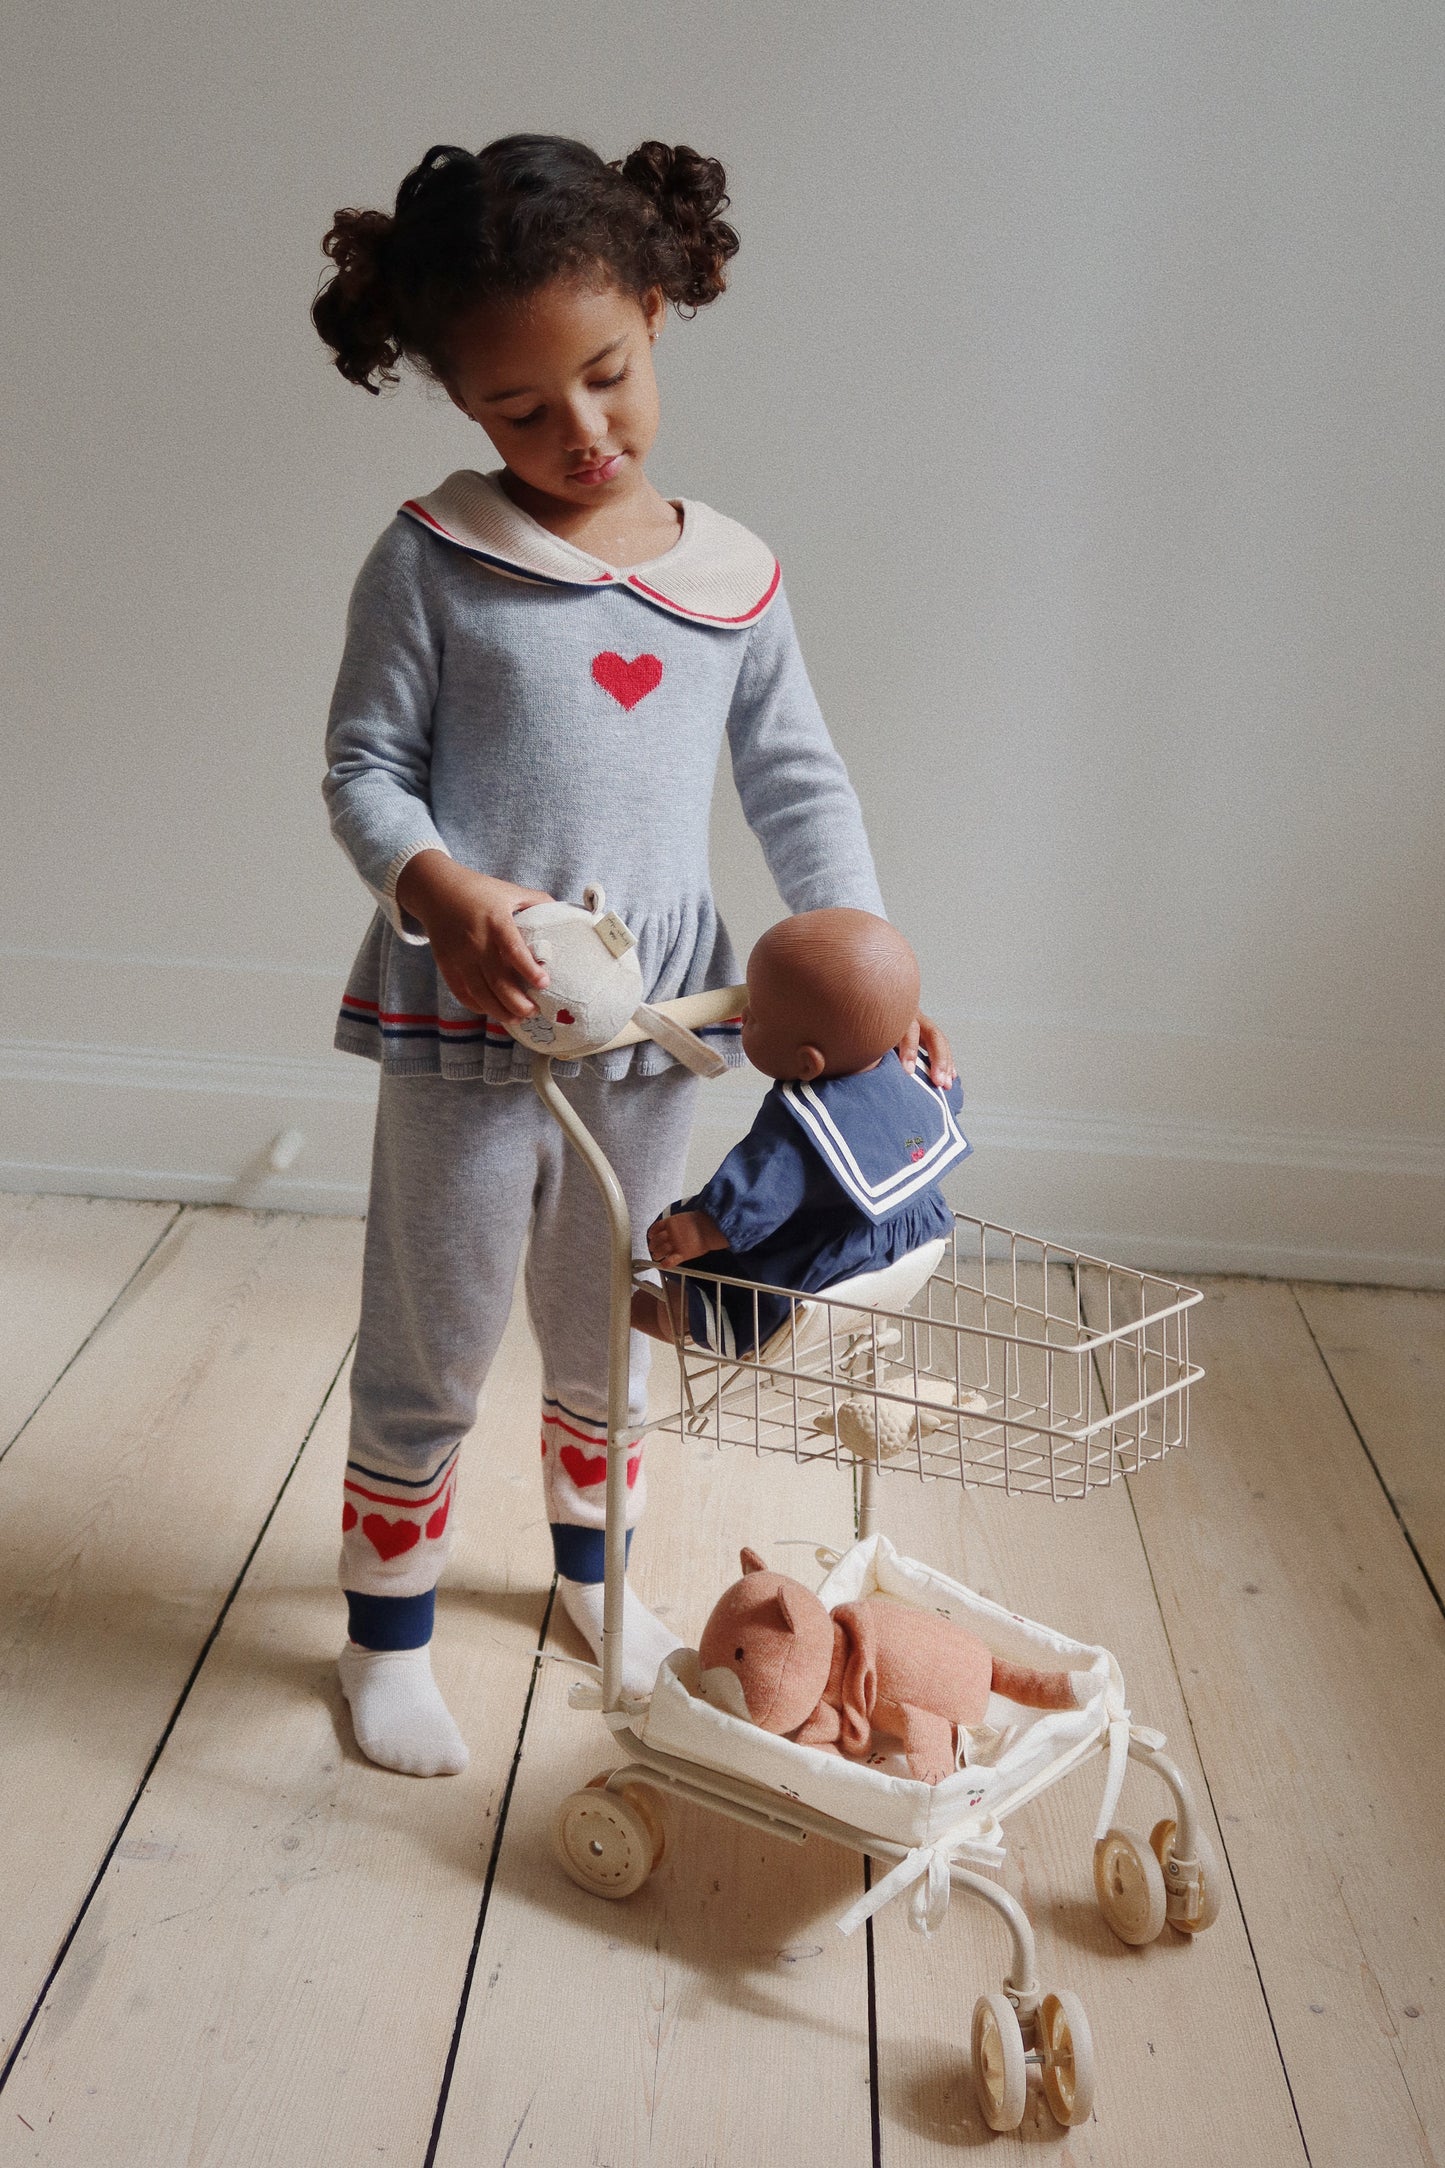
x,y
645,1640
397,1711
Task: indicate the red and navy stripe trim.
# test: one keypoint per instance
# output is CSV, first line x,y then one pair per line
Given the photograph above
x,y
406,1482
407,1024
424,518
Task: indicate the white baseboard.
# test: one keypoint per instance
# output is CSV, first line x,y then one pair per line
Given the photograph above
x,y
1181,1195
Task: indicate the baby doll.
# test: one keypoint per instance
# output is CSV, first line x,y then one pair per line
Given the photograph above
x,y
839,1173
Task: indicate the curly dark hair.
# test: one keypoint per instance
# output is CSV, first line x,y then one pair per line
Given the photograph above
x,y
471,226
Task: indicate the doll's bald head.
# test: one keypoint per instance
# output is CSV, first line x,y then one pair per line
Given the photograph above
x,y
829,992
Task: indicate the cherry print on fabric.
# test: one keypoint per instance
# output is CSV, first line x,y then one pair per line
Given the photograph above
x,y
628,682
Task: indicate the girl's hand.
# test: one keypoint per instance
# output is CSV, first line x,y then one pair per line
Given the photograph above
x,y
469,920
923,1031
679,1236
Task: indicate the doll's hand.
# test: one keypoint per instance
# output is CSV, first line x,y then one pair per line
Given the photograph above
x,y
923,1031
679,1236
469,920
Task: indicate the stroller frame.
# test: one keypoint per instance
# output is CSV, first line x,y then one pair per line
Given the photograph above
x,y
609,1835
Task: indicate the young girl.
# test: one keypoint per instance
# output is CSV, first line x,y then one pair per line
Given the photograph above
x,y
540,665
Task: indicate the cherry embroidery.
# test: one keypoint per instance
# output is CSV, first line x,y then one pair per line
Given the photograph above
x,y
627,682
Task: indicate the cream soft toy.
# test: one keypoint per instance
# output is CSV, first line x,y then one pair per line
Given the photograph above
x,y
594,987
772,1653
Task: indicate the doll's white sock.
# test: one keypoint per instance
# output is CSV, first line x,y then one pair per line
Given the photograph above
x,y
397,1711
645,1640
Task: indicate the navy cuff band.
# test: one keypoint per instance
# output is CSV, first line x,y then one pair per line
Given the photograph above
x,y
391,1622
580,1552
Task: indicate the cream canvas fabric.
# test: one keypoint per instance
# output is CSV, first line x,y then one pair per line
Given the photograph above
x,y
1015,1754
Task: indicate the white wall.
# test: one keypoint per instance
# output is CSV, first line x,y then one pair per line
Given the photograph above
x,y
1082,364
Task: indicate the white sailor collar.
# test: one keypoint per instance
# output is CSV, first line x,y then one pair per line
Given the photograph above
x,y
884,1135
716,573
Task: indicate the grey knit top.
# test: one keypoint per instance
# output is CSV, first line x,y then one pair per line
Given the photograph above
x,y
553,721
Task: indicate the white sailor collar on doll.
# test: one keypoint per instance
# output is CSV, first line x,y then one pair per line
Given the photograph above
x,y
884,1135
716,573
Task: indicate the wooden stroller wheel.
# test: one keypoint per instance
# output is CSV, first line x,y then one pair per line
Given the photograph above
x,y
1000,2074
1129,1882
1066,2057
604,1842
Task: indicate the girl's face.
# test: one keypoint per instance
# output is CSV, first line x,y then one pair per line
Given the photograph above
x,y
562,382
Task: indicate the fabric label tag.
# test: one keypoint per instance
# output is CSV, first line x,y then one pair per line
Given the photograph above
x,y
613,935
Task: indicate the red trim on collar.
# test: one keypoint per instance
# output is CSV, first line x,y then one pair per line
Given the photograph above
x,y
707,617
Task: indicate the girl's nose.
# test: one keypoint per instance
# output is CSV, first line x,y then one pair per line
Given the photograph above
x,y
584,424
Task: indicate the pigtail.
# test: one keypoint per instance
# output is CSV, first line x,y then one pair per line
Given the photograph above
x,y
352,311
689,193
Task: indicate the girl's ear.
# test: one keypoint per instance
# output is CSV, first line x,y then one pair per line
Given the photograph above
x,y
457,400
654,310
810,1063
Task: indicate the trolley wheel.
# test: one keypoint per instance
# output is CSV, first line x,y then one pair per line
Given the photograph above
x,y
1130,1885
1000,2075
1206,1903
1066,2057
646,1802
608,1842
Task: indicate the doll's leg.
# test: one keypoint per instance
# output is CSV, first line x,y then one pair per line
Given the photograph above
x,y
642,1124
452,1175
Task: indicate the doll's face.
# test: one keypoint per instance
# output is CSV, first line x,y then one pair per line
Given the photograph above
x,y
562,382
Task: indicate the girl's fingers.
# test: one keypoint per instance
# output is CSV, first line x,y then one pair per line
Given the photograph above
x,y
938,1050
516,957
908,1044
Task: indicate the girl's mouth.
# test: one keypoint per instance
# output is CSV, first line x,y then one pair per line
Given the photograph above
x,y
592,477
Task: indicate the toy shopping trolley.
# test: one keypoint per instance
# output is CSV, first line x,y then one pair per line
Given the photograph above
x,y
986,1359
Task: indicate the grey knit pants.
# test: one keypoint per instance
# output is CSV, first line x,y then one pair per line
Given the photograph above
x,y
461,1171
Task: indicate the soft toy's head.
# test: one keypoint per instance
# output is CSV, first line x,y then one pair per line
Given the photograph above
x,y
776,1640
594,981
828,993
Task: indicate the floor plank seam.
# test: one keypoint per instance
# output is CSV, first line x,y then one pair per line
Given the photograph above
x,y
1219,1826
109,1310
454,2047
875,2107
37,2007
1389,1496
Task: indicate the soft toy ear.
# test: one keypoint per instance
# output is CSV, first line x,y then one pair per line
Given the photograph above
x,y
751,1562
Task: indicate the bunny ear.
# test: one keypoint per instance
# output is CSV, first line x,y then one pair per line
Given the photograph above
x,y
751,1562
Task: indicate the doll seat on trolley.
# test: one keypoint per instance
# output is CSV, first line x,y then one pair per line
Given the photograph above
x,y
835,1319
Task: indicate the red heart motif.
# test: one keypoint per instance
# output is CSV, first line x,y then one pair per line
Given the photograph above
x,y
585,1469
628,682
348,1517
565,1016
438,1520
389,1538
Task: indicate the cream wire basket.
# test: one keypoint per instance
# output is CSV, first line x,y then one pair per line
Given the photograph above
x,y
1019,1366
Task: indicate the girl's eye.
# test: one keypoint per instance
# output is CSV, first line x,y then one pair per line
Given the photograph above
x,y
605,383
520,421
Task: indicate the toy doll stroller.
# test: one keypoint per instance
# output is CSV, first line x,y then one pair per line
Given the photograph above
x,y
986,1359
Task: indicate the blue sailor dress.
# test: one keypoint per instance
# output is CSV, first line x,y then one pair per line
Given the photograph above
x,y
833,1179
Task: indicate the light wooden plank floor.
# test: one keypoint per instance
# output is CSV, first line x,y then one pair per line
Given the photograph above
x,y
226,1939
